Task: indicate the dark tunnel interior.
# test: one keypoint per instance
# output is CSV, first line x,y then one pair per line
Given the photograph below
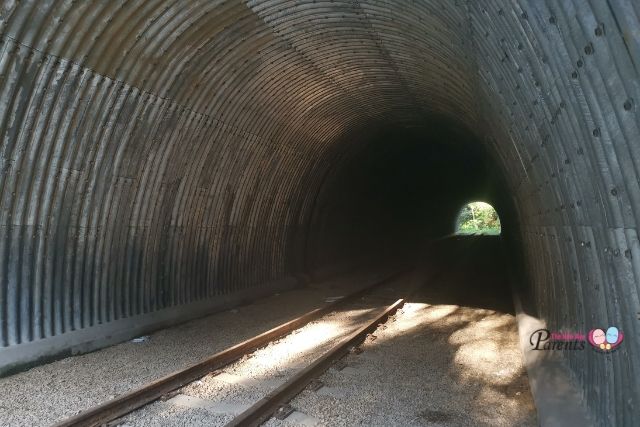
x,y
400,190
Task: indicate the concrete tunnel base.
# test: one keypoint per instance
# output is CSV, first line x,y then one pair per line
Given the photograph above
x,y
557,395
15,359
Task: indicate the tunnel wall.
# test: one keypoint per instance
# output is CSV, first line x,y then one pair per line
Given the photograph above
x,y
561,81
157,154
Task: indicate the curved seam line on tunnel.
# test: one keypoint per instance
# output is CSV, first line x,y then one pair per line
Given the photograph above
x,y
384,52
289,45
211,118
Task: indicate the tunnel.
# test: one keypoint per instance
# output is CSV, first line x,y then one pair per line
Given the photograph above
x,y
164,159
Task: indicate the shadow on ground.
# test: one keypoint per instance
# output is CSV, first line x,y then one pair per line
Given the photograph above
x,y
463,319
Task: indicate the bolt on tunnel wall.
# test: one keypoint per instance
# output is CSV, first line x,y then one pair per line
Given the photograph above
x,y
160,159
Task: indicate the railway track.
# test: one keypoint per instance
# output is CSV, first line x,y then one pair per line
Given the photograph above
x,y
164,388
270,394
274,402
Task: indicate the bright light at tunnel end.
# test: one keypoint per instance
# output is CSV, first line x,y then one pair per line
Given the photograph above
x,y
478,218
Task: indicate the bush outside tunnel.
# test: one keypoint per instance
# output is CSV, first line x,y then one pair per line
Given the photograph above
x,y
478,218
164,159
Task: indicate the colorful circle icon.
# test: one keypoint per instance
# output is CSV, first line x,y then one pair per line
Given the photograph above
x,y
605,341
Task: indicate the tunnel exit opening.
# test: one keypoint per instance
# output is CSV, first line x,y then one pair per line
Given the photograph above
x,y
478,218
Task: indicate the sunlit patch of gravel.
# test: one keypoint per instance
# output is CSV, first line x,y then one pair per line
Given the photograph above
x,y
434,366
252,377
163,414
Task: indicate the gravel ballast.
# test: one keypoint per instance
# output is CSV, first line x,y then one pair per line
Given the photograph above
x,y
49,393
450,357
248,380
445,371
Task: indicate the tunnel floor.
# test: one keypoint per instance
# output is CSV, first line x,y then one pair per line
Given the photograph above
x,y
450,357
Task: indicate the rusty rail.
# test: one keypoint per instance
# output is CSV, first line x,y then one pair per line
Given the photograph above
x,y
267,406
148,393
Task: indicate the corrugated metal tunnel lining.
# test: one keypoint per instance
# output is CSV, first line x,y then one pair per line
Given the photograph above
x,y
162,157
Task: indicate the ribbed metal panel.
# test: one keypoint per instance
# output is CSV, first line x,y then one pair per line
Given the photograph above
x,y
562,81
157,153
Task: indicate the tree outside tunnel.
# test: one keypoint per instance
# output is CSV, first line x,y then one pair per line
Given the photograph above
x,y
478,218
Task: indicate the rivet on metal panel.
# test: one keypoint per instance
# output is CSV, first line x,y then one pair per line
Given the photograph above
x,y
599,31
628,104
596,132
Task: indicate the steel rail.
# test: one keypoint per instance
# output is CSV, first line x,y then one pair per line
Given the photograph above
x,y
137,398
267,406
262,410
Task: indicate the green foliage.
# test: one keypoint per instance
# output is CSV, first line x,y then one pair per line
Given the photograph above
x,y
478,218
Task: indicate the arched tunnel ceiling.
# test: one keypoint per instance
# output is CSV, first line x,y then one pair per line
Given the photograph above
x,y
159,153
